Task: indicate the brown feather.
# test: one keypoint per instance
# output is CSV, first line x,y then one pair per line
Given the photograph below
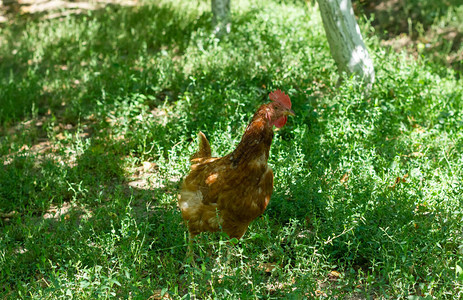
x,y
204,147
229,192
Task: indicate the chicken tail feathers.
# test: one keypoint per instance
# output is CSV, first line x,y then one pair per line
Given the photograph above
x,y
204,147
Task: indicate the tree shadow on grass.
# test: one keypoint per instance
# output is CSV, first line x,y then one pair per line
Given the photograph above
x,y
413,24
77,216
84,59
393,17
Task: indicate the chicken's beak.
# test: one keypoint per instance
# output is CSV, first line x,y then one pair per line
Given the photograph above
x,y
290,112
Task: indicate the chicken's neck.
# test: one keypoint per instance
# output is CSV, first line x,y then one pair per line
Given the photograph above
x,y
256,141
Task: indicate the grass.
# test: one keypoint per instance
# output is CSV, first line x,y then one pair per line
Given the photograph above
x,y
99,113
424,28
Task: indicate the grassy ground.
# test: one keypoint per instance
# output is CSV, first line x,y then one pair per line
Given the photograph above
x,y
99,113
429,28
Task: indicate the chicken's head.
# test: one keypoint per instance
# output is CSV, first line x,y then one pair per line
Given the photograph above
x,y
279,108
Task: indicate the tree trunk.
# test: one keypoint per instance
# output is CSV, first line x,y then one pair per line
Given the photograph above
x,y
345,40
221,16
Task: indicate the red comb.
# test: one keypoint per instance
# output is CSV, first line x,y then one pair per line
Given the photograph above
x,y
281,97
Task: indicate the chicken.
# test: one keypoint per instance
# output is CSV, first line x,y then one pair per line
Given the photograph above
x,y
227,193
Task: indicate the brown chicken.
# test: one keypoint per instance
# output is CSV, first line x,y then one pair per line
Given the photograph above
x,y
227,193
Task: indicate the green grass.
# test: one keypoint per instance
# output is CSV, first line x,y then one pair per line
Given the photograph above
x,y
367,199
433,29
